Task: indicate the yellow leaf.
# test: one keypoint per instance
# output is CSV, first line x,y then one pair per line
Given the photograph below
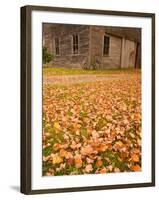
x,y
48,134
56,159
119,144
57,125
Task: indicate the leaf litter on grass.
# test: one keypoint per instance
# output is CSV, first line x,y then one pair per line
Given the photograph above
x,y
92,127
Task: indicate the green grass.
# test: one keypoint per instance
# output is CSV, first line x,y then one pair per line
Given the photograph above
x,y
51,71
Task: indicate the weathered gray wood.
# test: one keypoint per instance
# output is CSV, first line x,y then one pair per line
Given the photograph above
x,y
123,52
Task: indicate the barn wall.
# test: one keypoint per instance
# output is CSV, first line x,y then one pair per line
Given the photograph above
x,y
47,38
122,52
109,61
96,47
66,58
128,53
113,60
138,56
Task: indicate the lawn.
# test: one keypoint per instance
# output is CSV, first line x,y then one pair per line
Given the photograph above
x,y
50,71
91,127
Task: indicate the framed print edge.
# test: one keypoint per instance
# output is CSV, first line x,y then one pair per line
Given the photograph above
x,y
153,99
26,101
25,176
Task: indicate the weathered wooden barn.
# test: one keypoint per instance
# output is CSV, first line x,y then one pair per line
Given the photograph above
x,y
92,47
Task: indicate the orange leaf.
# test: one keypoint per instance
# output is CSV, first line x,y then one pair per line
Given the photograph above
x,y
103,171
57,146
99,163
101,147
136,168
63,152
78,161
135,158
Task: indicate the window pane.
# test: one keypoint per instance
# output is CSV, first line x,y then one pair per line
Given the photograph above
x,y
73,39
75,43
76,39
57,41
106,45
57,46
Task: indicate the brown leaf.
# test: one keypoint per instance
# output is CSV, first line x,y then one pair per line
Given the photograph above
x,y
116,169
68,155
89,161
88,168
46,158
86,150
70,161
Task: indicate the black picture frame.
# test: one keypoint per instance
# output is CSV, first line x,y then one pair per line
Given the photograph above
x,y
26,104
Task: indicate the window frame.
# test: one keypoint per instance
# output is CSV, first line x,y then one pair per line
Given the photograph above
x,y
106,47
57,46
75,46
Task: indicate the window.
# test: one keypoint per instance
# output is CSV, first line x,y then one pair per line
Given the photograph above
x,y
57,46
75,43
106,45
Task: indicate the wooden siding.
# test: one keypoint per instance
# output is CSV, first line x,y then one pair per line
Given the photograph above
x,y
112,60
123,52
66,58
47,37
96,47
128,53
